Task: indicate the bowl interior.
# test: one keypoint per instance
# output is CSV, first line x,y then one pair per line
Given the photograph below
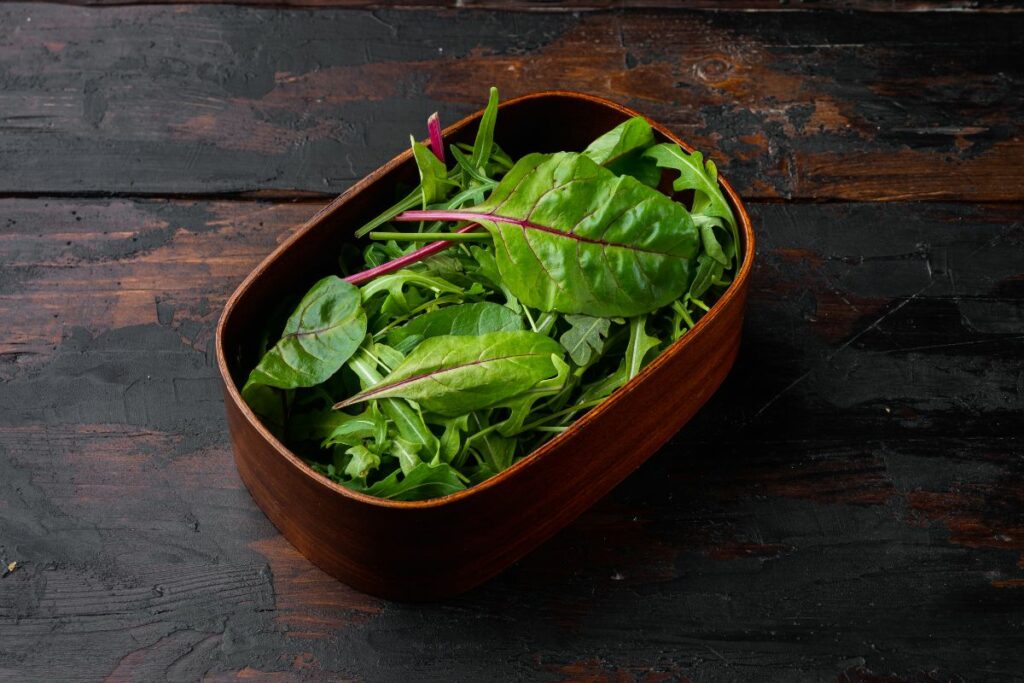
x,y
545,123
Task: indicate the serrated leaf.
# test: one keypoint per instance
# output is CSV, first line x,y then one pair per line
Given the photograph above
x,y
423,481
640,345
700,176
454,375
585,337
460,320
319,337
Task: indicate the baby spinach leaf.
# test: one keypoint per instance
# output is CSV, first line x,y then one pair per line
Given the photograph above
x,y
322,333
460,320
452,375
621,151
269,404
584,337
627,137
573,237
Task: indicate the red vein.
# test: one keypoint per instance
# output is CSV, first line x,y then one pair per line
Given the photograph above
x,y
403,261
442,215
381,388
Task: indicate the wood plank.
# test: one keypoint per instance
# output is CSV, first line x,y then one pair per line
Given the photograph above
x,y
848,505
223,99
1004,6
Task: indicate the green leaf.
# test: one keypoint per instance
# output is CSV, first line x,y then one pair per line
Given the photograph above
x,y
712,247
708,270
407,453
495,451
694,174
521,405
701,177
627,137
269,404
485,133
394,284
352,430
423,481
463,319
406,418
452,375
584,337
573,237
621,150
362,462
434,183
322,333
640,344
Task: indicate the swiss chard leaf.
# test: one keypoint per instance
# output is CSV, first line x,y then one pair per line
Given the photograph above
x,y
322,333
463,319
454,375
573,237
584,337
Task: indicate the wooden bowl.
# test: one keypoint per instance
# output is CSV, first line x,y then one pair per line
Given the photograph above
x,y
436,548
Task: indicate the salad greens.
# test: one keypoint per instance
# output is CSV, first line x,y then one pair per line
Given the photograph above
x,y
526,292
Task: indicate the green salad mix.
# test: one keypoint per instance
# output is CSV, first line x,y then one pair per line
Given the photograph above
x,y
504,299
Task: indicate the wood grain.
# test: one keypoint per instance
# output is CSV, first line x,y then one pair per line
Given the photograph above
x,y
847,508
1001,6
217,99
848,503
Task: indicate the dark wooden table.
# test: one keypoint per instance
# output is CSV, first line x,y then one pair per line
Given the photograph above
x,y
850,506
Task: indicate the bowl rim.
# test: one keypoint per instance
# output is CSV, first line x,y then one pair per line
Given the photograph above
x,y
746,228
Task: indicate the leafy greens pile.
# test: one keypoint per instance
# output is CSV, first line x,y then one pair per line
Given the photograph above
x,y
545,284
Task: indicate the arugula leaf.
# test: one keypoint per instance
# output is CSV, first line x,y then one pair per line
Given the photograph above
x,y
422,481
700,176
322,333
573,237
584,337
452,375
408,421
640,344
463,319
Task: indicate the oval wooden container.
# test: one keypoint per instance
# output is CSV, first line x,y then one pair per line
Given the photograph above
x,y
436,548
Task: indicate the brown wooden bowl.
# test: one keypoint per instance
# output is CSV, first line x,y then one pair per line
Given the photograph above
x,y
441,547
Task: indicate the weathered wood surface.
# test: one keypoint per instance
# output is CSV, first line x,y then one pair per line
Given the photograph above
x,y
1001,6
849,507
850,502
223,99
